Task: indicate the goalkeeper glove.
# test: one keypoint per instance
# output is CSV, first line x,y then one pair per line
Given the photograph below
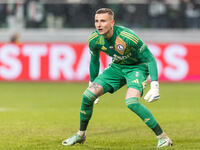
x,y
153,94
97,100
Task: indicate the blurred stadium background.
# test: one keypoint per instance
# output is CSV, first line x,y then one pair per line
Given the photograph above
x,y
71,19
171,29
46,40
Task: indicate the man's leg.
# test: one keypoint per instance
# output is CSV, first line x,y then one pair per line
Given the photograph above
x,y
132,102
89,96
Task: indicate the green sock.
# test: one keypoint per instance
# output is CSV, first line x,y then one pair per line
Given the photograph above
x,y
134,105
86,109
83,125
157,130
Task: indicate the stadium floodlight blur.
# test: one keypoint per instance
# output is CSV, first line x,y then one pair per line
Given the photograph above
x,y
72,19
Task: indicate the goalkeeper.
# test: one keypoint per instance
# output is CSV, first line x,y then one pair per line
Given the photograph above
x,y
132,62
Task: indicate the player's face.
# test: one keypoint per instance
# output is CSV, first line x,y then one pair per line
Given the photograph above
x,y
104,24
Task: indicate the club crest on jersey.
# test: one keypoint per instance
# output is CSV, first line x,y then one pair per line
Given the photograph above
x,y
120,47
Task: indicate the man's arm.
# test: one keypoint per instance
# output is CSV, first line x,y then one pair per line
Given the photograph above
x,y
153,94
148,57
94,69
94,61
145,56
94,65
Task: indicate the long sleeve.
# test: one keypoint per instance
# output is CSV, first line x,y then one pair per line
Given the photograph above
x,y
94,66
153,71
95,54
151,62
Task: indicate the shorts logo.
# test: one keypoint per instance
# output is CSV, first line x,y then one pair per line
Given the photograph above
x,y
135,81
120,47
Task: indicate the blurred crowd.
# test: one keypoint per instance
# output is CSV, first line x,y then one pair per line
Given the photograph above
x,y
135,13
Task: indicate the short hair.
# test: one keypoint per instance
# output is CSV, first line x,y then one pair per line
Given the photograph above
x,y
105,10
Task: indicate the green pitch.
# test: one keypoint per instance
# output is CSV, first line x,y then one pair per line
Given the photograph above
x,y
38,116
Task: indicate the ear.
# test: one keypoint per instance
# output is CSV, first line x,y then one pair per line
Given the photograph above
x,y
113,22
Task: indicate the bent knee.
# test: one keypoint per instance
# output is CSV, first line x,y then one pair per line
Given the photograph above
x,y
89,95
132,102
132,92
96,89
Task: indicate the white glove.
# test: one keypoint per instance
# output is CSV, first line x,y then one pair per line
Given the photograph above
x,y
97,100
153,94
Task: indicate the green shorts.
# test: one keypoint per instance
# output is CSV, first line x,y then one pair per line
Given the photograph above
x,y
135,76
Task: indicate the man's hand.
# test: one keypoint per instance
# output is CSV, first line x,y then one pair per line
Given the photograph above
x,y
97,100
153,94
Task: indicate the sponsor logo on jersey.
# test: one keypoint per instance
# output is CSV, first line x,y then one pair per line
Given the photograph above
x,y
117,58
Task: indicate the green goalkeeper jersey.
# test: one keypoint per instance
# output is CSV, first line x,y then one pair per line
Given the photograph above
x,y
125,48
